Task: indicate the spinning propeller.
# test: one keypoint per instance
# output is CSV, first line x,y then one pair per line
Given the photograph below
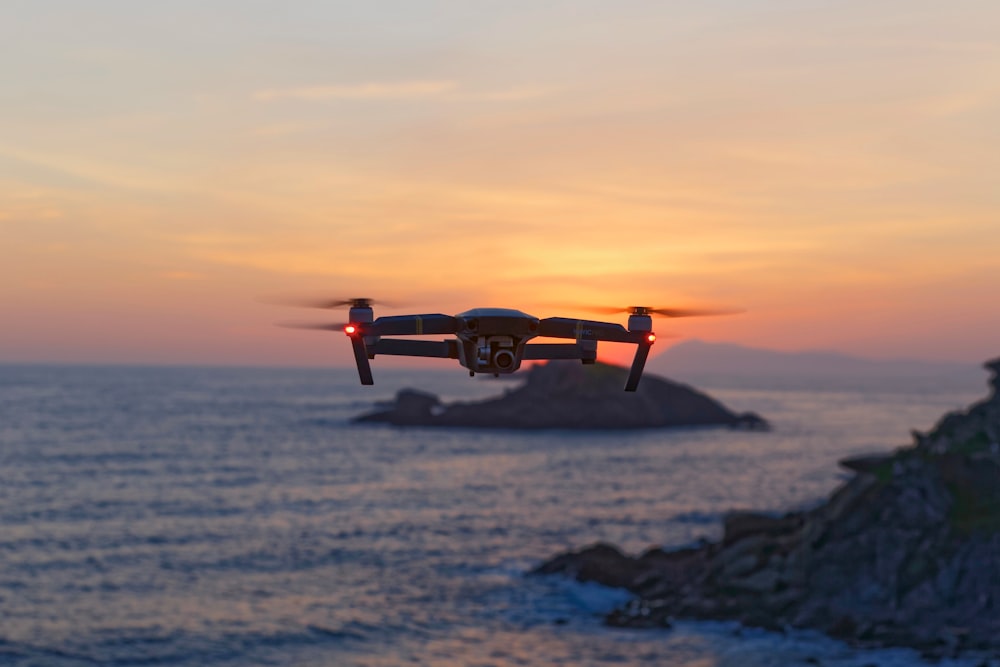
x,y
328,303
665,312
357,302
318,326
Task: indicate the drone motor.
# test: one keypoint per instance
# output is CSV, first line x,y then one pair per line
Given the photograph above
x,y
640,322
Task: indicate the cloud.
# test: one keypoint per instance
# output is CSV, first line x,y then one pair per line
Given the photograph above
x,y
399,90
404,90
182,275
282,129
85,168
517,94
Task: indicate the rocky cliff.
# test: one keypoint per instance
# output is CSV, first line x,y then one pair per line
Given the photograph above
x,y
907,552
570,395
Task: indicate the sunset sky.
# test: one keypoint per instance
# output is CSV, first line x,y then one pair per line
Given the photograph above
x,y
831,167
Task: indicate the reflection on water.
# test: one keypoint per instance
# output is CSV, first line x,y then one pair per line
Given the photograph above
x,y
209,516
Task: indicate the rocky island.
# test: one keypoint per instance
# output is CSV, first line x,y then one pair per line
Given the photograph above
x,y
570,395
905,553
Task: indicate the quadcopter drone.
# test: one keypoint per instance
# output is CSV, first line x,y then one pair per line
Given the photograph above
x,y
493,340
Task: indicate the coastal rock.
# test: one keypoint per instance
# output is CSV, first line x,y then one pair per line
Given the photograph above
x,y
905,553
604,564
574,396
740,524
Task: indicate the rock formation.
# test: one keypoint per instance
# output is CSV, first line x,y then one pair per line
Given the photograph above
x,y
574,396
906,553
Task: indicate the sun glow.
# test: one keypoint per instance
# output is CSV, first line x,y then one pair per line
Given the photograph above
x,y
837,184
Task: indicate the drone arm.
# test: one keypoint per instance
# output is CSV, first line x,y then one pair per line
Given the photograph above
x,y
536,351
416,348
412,325
563,327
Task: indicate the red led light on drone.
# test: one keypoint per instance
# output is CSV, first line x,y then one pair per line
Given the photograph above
x,y
350,329
651,337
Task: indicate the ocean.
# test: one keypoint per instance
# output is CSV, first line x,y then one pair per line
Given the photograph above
x,y
223,516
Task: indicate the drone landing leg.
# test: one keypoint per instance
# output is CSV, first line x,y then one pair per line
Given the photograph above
x,y
361,357
635,374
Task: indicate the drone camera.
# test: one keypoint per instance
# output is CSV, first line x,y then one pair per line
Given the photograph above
x,y
498,352
503,359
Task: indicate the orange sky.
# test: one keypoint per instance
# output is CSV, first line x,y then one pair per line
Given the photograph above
x,y
830,167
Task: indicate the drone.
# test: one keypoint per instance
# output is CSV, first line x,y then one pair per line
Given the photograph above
x,y
493,340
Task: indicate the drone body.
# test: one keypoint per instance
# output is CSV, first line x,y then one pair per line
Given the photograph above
x,y
490,340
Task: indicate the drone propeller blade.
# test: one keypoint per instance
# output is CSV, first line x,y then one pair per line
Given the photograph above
x,y
316,326
665,312
325,302
692,312
330,304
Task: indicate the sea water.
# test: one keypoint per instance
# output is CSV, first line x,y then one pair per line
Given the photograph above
x,y
209,516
